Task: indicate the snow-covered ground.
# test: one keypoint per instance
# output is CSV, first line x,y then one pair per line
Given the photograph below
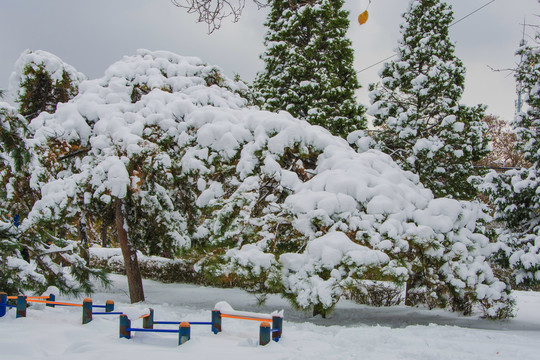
x,y
351,332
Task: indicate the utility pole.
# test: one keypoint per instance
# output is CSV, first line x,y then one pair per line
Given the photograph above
x,y
520,85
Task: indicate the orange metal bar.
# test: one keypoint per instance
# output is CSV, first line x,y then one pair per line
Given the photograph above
x,y
143,316
244,318
29,297
53,302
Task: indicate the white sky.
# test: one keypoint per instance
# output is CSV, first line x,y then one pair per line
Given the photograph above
x,y
92,34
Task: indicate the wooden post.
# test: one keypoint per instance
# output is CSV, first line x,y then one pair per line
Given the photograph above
x,y
216,321
148,321
21,306
125,324
185,333
87,311
109,306
52,297
277,324
3,303
264,333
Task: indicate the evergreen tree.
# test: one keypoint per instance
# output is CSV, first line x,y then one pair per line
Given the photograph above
x,y
309,65
515,194
127,156
41,81
33,258
423,126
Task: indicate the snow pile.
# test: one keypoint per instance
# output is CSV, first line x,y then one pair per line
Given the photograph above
x,y
257,198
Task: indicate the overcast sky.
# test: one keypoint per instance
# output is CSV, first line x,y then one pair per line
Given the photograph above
x,y
93,34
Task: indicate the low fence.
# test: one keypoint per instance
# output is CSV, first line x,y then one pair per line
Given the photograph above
x,y
270,329
22,304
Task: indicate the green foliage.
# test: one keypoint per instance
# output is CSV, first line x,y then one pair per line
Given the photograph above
x,y
423,126
34,258
309,65
32,263
41,93
515,194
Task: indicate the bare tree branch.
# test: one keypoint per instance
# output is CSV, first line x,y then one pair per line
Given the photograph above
x,y
212,12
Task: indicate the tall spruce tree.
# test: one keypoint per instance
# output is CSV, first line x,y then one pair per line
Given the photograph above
x,y
515,194
424,127
309,65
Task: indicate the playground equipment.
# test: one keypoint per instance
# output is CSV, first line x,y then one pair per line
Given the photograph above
x,y
270,329
267,331
184,329
22,304
222,310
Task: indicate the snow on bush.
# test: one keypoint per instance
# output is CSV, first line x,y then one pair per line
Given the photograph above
x,y
252,197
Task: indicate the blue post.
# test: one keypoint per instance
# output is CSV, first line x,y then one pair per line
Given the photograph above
x,y
264,333
216,321
52,297
21,306
148,321
125,324
87,311
185,333
277,327
3,303
109,306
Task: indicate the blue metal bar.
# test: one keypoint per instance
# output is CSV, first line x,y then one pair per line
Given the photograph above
x,y
107,313
10,306
178,322
276,330
99,306
153,330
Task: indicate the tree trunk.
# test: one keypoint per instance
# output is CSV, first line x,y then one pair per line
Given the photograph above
x,y
136,292
83,237
103,234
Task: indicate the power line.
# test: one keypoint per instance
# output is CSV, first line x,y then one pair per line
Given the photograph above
x,y
452,24
475,11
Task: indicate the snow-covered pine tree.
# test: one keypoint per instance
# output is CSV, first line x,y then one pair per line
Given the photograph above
x,y
309,65
33,258
123,145
515,194
40,81
423,126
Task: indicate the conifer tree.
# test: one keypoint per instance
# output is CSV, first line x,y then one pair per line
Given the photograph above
x,y
41,81
423,126
34,258
309,65
515,194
